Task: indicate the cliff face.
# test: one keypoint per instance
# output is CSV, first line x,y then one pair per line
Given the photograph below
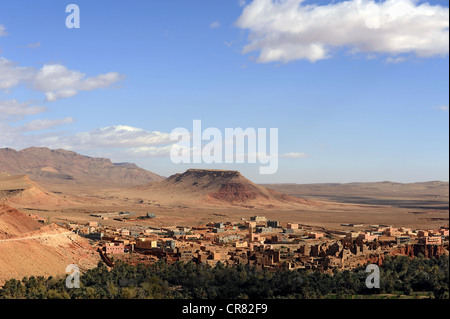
x,y
236,192
56,166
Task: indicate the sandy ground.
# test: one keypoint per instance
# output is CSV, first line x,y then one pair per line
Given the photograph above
x,y
170,209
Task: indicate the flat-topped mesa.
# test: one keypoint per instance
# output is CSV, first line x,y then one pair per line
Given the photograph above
x,y
208,173
216,187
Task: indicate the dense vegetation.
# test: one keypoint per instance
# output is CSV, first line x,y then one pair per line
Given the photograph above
x,y
399,275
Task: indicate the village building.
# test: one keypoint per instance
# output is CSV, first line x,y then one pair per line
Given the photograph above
x,y
403,240
144,243
273,223
431,240
114,248
292,226
258,219
250,224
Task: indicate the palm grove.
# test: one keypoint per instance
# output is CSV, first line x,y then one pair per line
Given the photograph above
x,y
400,275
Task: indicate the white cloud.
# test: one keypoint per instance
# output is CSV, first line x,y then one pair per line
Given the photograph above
x,y
2,30
395,59
119,136
34,45
7,136
286,30
58,82
44,124
115,140
214,25
294,155
16,136
228,44
12,75
60,94
14,108
55,80
151,151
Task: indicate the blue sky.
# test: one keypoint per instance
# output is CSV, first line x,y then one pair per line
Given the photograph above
x,y
352,101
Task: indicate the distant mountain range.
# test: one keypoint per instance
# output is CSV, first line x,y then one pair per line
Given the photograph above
x,y
57,166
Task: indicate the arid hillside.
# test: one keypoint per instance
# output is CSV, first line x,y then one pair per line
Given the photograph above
x,y
28,248
217,187
61,166
14,223
19,189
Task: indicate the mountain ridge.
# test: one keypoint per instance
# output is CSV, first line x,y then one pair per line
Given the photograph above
x,y
42,164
